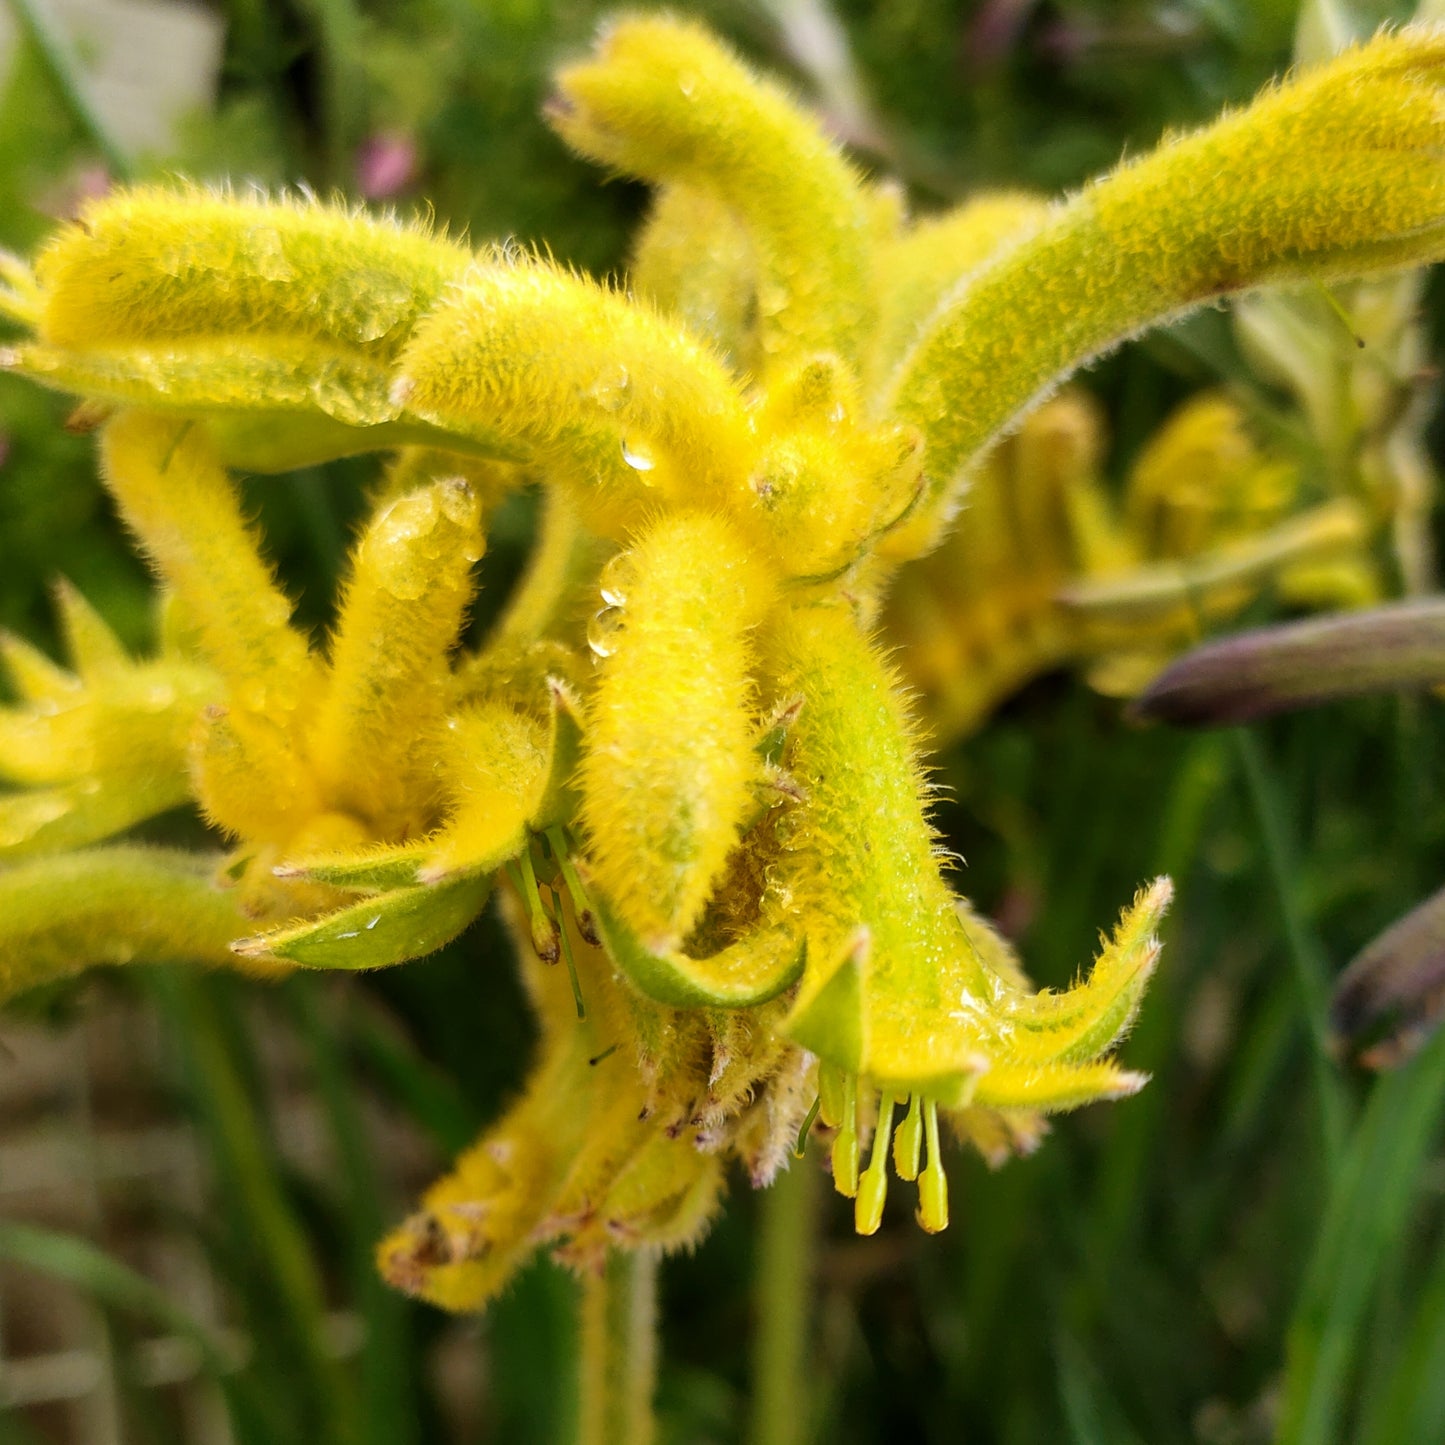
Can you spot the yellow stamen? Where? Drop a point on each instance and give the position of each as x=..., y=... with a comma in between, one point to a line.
x=873, y=1191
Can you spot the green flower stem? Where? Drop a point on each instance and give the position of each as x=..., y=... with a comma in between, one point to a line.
x=781, y=1408
x=286, y=1271
x=619, y=1352
x=1302, y=945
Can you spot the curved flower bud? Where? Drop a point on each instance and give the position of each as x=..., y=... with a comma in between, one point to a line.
x=900, y=995
x=664, y=100
x=668, y=769
x=1333, y=174
x=370, y=733
x=176, y=497
x=191, y=301
x=529, y=361
x=1266, y=670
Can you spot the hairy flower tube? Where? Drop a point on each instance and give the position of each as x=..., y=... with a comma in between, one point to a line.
x=680, y=759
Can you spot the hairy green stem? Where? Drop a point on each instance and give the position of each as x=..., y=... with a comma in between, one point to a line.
x=781, y=1408
x=619, y=1352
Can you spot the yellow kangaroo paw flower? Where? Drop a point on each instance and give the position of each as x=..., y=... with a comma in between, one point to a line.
x=186, y=299
x=137, y=728
x=826, y=485
x=478, y=1224
x=111, y=760
x=106, y=749
x=414, y=467
x=664, y=100
x=525, y=357
x=1331, y=174
x=669, y=760
x=171, y=490
x=1201, y=479
x=579, y=1162
x=401, y=610
x=249, y=777
x=663, y=1199
x=156, y=262
x=60, y=916
x=888, y=959
x=184, y=509
x=197, y=377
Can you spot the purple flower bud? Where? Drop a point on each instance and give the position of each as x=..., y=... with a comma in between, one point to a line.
x=1395, y=648
x=1389, y=1000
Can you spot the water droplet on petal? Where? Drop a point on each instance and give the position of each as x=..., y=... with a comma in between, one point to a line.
x=602, y=631
x=610, y=389
x=616, y=580
x=636, y=455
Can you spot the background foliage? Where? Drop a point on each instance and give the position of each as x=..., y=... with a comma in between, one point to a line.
x=1249, y=1250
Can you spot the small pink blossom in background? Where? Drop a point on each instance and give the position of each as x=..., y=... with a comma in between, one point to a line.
x=385, y=166
x=66, y=197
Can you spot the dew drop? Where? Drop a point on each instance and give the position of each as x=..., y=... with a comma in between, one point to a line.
x=616, y=580
x=602, y=631
x=636, y=455
x=610, y=389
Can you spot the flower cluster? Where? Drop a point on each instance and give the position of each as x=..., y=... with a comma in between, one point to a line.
x=680, y=759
